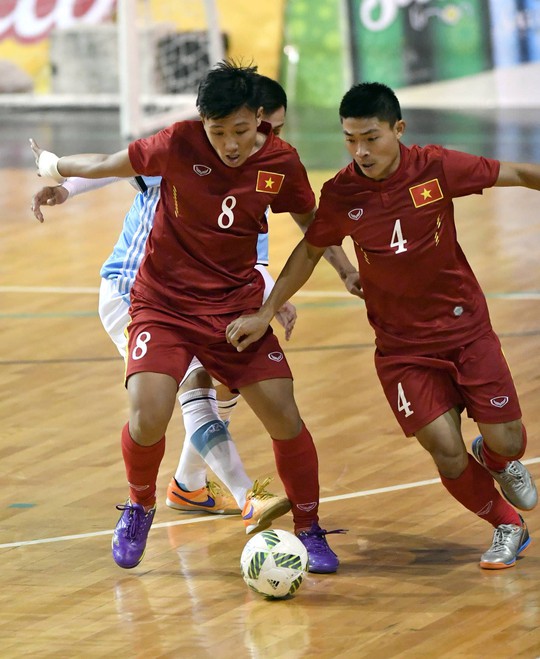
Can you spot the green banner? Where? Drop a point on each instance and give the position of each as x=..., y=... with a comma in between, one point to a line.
x=407, y=42
x=314, y=61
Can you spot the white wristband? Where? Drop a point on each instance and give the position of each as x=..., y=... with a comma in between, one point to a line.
x=48, y=166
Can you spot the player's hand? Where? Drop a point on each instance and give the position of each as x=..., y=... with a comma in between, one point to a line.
x=245, y=330
x=286, y=317
x=37, y=152
x=50, y=196
x=353, y=284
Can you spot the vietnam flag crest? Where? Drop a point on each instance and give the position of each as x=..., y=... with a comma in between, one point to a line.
x=269, y=182
x=426, y=193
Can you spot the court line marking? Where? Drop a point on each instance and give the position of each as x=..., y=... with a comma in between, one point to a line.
x=92, y=290
x=209, y=518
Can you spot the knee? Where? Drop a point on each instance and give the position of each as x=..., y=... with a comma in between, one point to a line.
x=198, y=379
x=285, y=425
x=451, y=462
x=506, y=439
x=514, y=437
x=147, y=426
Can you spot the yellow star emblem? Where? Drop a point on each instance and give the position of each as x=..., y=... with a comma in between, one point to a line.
x=269, y=183
x=426, y=193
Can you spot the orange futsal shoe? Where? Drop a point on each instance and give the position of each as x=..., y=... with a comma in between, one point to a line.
x=262, y=507
x=208, y=499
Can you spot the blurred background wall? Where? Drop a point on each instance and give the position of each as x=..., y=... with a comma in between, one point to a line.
x=317, y=48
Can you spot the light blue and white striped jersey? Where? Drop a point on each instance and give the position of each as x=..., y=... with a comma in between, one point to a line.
x=126, y=257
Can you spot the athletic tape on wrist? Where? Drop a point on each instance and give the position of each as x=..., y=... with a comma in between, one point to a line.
x=48, y=166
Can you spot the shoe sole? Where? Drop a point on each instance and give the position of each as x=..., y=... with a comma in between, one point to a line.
x=268, y=516
x=493, y=474
x=322, y=570
x=504, y=566
x=193, y=508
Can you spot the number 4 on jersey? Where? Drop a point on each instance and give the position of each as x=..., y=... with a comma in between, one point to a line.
x=403, y=404
x=397, y=238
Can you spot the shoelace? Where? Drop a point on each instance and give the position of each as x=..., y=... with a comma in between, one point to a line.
x=318, y=537
x=134, y=523
x=214, y=489
x=502, y=534
x=259, y=490
x=513, y=472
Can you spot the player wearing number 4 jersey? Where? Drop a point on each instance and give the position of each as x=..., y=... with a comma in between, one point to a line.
x=436, y=353
x=219, y=175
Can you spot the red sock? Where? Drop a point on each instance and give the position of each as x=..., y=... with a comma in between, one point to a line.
x=496, y=461
x=475, y=490
x=298, y=468
x=142, y=466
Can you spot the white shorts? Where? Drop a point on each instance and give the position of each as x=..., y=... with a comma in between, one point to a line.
x=114, y=315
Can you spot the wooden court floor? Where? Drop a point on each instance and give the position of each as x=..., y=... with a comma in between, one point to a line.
x=409, y=583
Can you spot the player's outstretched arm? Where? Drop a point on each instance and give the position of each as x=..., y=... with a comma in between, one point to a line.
x=245, y=330
x=336, y=256
x=85, y=165
x=58, y=194
x=519, y=173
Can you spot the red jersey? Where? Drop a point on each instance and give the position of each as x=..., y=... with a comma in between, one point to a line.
x=420, y=292
x=201, y=252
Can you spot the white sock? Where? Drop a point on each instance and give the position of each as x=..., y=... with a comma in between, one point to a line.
x=226, y=408
x=216, y=446
x=209, y=443
x=198, y=408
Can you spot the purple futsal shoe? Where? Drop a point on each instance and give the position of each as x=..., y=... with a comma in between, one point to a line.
x=321, y=558
x=130, y=534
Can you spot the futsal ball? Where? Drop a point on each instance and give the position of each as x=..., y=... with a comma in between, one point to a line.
x=274, y=563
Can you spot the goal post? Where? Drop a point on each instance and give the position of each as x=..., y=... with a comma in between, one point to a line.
x=144, y=58
x=161, y=62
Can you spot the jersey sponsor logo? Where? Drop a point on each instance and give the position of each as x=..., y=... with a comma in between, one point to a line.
x=275, y=356
x=426, y=193
x=356, y=214
x=306, y=507
x=201, y=170
x=499, y=401
x=269, y=182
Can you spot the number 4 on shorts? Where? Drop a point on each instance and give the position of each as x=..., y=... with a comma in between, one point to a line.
x=403, y=404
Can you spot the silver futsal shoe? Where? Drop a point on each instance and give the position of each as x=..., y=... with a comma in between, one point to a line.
x=515, y=481
x=509, y=540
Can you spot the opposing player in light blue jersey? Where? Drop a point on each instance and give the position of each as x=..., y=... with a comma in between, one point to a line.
x=205, y=415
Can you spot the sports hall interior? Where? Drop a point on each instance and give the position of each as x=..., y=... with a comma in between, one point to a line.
x=409, y=585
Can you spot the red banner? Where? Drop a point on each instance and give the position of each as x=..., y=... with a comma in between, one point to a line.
x=32, y=20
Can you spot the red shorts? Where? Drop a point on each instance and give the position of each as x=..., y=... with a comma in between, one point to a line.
x=474, y=377
x=162, y=342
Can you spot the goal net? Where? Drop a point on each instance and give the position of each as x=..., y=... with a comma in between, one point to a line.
x=144, y=57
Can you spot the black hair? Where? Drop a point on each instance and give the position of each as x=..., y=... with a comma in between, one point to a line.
x=227, y=87
x=271, y=94
x=370, y=99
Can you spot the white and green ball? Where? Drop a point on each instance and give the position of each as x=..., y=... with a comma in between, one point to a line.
x=273, y=563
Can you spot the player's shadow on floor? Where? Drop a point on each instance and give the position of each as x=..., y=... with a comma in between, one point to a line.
x=387, y=553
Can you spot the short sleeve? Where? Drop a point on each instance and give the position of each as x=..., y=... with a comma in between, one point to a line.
x=150, y=155
x=467, y=174
x=296, y=195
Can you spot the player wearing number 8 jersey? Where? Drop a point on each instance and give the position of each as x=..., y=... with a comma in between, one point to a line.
x=202, y=265
x=436, y=351
x=196, y=277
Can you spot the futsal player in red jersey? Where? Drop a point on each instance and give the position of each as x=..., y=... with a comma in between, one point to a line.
x=197, y=275
x=436, y=352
